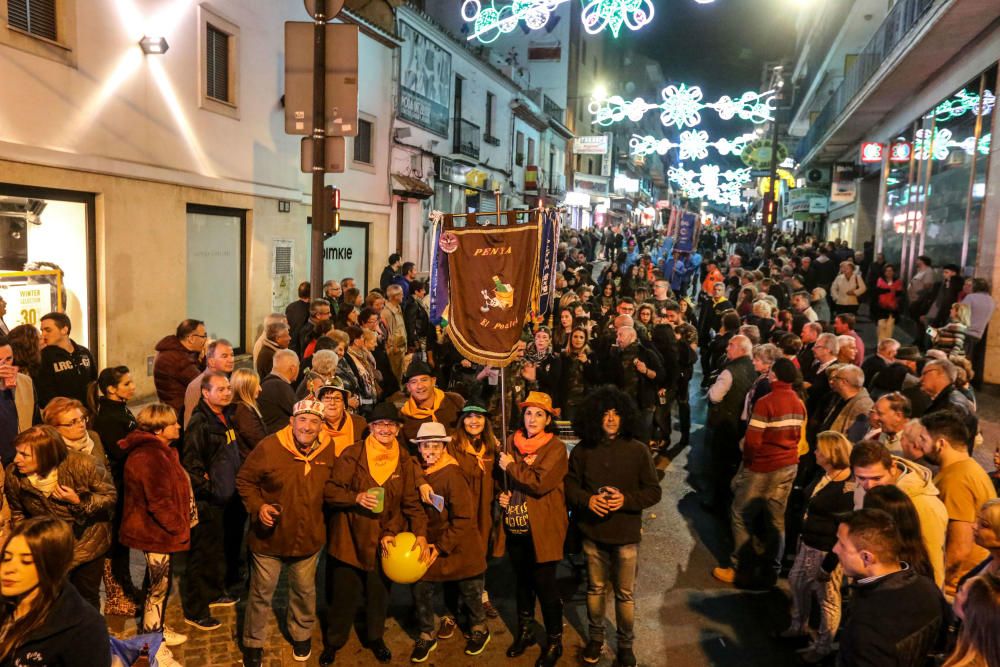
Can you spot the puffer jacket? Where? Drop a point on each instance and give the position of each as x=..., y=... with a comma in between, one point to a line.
x=90, y=520
x=173, y=369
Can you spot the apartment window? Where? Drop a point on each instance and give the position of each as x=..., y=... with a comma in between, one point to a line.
x=219, y=64
x=363, y=142
x=37, y=17
x=531, y=151
x=519, y=149
x=491, y=112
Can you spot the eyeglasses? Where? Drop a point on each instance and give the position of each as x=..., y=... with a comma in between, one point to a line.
x=75, y=422
x=198, y=335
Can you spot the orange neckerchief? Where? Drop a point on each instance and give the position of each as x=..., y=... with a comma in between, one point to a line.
x=528, y=446
x=342, y=437
x=443, y=462
x=288, y=442
x=381, y=460
x=411, y=409
x=480, y=455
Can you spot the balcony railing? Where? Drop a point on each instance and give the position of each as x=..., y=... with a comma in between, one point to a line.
x=467, y=138
x=553, y=110
x=902, y=18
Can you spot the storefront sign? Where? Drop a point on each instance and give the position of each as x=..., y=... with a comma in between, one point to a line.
x=844, y=188
x=578, y=199
x=819, y=204
x=871, y=152
x=452, y=172
x=757, y=154
x=804, y=200
x=26, y=304
x=626, y=185
x=593, y=145
x=345, y=254
x=425, y=86
x=900, y=151
x=595, y=186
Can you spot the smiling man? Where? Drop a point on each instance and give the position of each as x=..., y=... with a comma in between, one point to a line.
x=426, y=403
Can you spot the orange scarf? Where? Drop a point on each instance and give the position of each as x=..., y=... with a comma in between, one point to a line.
x=443, y=462
x=528, y=446
x=480, y=455
x=411, y=409
x=382, y=460
x=342, y=438
x=288, y=442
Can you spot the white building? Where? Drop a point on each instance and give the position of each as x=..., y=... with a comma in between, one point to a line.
x=166, y=185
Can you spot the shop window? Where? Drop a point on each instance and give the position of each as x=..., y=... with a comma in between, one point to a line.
x=46, y=257
x=218, y=68
x=216, y=261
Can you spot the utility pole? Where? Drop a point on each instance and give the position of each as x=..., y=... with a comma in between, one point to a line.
x=318, y=147
x=771, y=198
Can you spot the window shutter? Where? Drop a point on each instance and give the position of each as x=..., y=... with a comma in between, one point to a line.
x=37, y=17
x=217, y=64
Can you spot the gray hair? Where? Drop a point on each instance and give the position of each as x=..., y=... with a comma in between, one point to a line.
x=845, y=340
x=215, y=345
x=751, y=331
x=272, y=330
x=852, y=375
x=393, y=290
x=743, y=344
x=814, y=326
x=283, y=358
x=324, y=362
x=888, y=346
x=830, y=342
x=767, y=353
x=948, y=368
x=275, y=317
x=761, y=308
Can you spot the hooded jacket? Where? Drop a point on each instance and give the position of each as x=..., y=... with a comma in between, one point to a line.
x=74, y=635
x=173, y=369
x=917, y=482
x=212, y=454
x=156, y=512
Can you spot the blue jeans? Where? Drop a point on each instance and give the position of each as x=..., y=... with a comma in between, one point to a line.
x=615, y=565
x=758, y=513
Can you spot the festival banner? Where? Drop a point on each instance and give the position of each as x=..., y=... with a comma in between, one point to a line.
x=493, y=284
x=547, y=261
x=438, y=289
x=686, y=231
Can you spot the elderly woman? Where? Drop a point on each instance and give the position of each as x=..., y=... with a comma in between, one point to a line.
x=360, y=374
x=158, y=508
x=763, y=357
x=49, y=479
x=324, y=369
x=950, y=338
x=542, y=365
x=69, y=418
x=534, y=524
x=819, y=303
x=847, y=287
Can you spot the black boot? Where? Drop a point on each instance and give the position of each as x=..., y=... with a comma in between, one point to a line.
x=525, y=638
x=550, y=656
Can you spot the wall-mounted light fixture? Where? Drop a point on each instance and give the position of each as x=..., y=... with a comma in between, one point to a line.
x=153, y=45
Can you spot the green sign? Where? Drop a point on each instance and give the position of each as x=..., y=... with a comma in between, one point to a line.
x=757, y=154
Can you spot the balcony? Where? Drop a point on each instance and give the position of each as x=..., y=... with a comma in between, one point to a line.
x=901, y=20
x=467, y=138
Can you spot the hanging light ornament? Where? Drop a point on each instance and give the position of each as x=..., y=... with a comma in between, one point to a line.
x=710, y=182
x=693, y=144
x=489, y=22
x=682, y=106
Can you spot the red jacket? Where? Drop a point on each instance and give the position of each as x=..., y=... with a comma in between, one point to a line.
x=173, y=369
x=772, y=438
x=156, y=513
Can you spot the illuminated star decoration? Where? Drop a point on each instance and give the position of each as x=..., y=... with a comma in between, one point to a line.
x=939, y=144
x=693, y=145
x=613, y=14
x=682, y=105
x=710, y=182
x=489, y=22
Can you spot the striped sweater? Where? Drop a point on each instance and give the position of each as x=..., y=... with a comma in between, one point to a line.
x=775, y=427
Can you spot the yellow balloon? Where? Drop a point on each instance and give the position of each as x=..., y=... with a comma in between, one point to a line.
x=402, y=562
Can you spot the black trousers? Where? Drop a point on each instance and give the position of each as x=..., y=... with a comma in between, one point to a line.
x=235, y=518
x=87, y=579
x=204, y=576
x=534, y=580
x=683, y=399
x=353, y=586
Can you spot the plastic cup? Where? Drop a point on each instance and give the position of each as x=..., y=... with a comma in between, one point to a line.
x=379, y=493
x=276, y=517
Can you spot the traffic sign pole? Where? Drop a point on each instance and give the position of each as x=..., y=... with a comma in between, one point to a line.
x=318, y=147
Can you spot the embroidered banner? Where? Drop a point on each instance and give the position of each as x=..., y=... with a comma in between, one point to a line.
x=547, y=261
x=493, y=284
x=438, y=289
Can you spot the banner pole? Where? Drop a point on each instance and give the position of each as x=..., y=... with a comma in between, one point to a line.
x=503, y=422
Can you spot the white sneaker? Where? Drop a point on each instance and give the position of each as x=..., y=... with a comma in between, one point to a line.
x=171, y=638
x=164, y=658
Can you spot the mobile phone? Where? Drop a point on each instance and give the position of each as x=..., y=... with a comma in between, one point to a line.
x=438, y=502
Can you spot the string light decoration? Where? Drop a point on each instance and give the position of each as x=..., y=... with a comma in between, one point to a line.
x=489, y=23
x=693, y=144
x=681, y=107
x=962, y=103
x=940, y=144
x=710, y=182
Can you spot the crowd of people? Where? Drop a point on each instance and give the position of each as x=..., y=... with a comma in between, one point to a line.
x=357, y=422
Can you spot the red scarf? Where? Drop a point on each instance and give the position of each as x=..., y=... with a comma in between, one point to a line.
x=528, y=446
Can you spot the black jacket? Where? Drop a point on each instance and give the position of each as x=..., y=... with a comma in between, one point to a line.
x=65, y=373
x=624, y=464
x=276, y=401
x=113, y=422
x=297, y=314
x=211, y=454
x=75, y=635
x=618, y=370
x=952, y=399
x=388, y=273
x=895, y=621
x=727, y=411
x=665, y=343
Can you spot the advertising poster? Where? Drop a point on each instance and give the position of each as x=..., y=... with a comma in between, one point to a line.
x=425, y=84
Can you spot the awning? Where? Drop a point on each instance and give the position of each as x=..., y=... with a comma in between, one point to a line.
x=408, y=186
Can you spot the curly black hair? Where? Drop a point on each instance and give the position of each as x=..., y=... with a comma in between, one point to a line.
x=589, y=414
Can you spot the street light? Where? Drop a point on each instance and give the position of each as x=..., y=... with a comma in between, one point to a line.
x=153, y=45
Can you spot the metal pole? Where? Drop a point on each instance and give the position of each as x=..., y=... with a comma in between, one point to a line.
x=503, y=422
x=771, y=219
x=318, y=146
